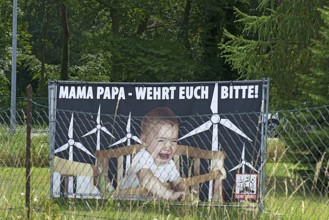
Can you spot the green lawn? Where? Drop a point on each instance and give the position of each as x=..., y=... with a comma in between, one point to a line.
x=287, y=198
x=12, y=188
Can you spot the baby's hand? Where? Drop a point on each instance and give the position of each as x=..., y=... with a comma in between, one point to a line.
x=178, y=196
x=218, y=165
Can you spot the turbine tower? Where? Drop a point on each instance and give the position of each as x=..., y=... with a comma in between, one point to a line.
x=128, y=138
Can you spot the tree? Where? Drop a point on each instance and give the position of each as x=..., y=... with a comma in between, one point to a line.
x=317, y=93
x=212, y=14
x=284, y=43
x=23, y=49
x=128, y=40
x=5, y=49
x=320, y=65
x=275, y=43
x=138, y=43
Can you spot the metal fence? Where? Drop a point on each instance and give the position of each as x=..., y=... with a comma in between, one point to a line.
x=295, y=187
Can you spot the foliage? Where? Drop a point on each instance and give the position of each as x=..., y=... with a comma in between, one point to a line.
x=283, y=42
x=156, y=60
x=125, y=40
x=5, y=48
x=154, y=41
x=306, y=133
x=276, y=44
x=319, y=77
x=178, y=41
x=314, y=127
x=320, y=128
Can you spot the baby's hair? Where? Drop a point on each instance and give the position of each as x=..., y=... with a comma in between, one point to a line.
x=158, y=115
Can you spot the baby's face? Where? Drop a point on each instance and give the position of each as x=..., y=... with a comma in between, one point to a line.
x=161, y=142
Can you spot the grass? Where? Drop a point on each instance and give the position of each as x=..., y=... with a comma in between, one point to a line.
x=12, y=147
x=295, y=207
x=287, y=197
x=12, y=186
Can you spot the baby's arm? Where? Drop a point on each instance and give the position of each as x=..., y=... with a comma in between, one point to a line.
x=152, y=184
x=179, y=185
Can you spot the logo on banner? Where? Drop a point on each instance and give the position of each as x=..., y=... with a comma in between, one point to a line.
x=246, y=187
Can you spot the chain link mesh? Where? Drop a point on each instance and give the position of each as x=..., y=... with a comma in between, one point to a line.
x=297, y=166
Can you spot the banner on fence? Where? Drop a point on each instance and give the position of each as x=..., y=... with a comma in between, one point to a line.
x=172, y=141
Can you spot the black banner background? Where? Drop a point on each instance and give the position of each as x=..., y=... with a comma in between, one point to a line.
x=244, y=113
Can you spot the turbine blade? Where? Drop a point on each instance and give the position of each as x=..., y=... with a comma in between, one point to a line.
x=227, y=123
x=214, y=101
x=107, y=131
x=136, y=139
x=199, y=129
x=81, y=147
x=128, y=123
x=70, y=131
x=251, y=167
x=236, y=167
x=98, y=119
x=243, y=152
x=119, y=141
x=90, y=132
x=62, y=148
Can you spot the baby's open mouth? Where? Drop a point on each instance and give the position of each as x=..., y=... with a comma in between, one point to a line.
x=164, y=156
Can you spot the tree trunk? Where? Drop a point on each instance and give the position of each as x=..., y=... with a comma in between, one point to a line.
x=115, y=17
x=65, y=49
x=185, y=24
x=116, y=69
x=210, y=38
x=42, y=88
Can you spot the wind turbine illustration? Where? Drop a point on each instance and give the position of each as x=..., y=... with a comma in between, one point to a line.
x=98, y=129
x=70, y=144
x=128, y=138
x=243, y=163
x=213, y=122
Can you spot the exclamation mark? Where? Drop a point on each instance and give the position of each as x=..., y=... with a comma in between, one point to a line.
x=256, y=91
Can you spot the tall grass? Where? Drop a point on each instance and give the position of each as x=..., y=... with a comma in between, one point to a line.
x=289, y=196
x=12, y=147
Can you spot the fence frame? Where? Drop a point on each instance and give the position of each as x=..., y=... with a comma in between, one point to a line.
x=52, y=91
x=265, y=110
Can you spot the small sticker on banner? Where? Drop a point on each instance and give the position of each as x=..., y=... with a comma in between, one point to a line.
x=246, y=187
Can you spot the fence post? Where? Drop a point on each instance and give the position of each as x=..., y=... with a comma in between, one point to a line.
x=28, y=148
